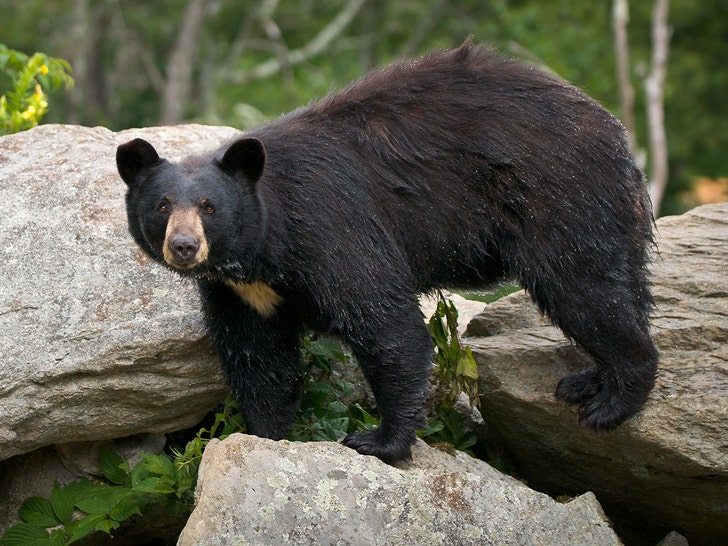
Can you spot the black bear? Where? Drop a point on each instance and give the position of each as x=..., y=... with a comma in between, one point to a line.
x=455, y=170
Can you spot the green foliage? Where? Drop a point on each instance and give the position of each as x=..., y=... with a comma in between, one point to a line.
x=227, y=421
x=456, y=372
x=25, y=102
x=87, y=506
x=489, y=297
x=456, y=369
x=327, y=412
x=127, y=65
x=447, y=430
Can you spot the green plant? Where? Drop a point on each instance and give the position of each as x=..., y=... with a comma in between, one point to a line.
x=327, y=412
x=455, y=372
x=227, y=420
x=88, y=506
x=30, y=77
x=448, y=430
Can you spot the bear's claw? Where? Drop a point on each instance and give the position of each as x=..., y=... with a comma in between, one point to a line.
x=604, y=401
x=373, y=442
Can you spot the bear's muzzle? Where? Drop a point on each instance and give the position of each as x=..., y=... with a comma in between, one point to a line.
x=185, y=244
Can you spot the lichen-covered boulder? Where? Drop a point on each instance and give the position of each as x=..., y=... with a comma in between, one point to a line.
x=256, y=491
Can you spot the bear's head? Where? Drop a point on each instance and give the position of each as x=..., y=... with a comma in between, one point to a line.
x=197, y=216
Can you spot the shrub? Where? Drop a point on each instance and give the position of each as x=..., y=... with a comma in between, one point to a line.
x=30, y=78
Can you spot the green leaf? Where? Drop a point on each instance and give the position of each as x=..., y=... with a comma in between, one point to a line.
x=104, y=500
x=338, y=407
x=62, y=503
x=233, y=424
x=38, y=511
x=88, y=524
x=107, y=525
x=82, y=489
x=361, y=419
x=467, y=366
x=138, y=474
x=129, y=506
x=57, y=538
x=155, y=485
x=336, y=428
x=327, y=348
x=22, y=534
x=454, y=353
x=160, y=465
x=433, y=427
x=467, y=441
x=437, y=330
x=115, y=469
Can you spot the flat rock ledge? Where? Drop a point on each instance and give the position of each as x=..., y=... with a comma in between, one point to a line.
x=256, y=491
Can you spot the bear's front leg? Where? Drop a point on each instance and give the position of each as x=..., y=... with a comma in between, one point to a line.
x=395, y=354
x=260, y=356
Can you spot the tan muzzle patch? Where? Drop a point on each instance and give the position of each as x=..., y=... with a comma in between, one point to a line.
x=185, y=244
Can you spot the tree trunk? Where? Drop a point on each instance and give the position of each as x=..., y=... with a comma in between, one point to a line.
x=620, y=19
x=79, y=30
x=181, y=62
x=655, y=106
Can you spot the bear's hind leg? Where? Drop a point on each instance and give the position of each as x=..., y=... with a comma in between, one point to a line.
x=609, y=319
x=614, y=389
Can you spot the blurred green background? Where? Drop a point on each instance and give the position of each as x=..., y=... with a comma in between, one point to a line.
x=140, y=63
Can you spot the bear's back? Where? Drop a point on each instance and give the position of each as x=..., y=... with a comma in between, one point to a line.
x=441, y=156
x=461, y=114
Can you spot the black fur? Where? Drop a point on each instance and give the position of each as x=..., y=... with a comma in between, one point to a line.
x=455, y=170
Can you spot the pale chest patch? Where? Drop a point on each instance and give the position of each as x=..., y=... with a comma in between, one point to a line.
x=258, y=295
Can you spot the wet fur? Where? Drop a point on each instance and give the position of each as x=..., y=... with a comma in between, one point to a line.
x=455, y=170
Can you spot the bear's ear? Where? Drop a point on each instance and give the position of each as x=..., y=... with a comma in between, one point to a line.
x=246, y=156
x=133, y=157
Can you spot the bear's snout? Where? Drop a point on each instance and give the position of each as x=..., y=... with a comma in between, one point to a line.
x=184, y=248
x=185, y=244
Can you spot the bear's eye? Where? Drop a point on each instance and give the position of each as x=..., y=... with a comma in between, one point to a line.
x=163, y=208
x=208, y=208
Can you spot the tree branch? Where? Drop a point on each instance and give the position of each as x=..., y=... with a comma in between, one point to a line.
x=317, y=45
x=273, y=31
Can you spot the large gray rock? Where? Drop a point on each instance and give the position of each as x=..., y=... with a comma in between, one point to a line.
x=255, y=491
x=667, y=468
x=96, y=341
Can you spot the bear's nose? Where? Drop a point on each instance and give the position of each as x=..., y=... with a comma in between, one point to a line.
x=184, y=248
